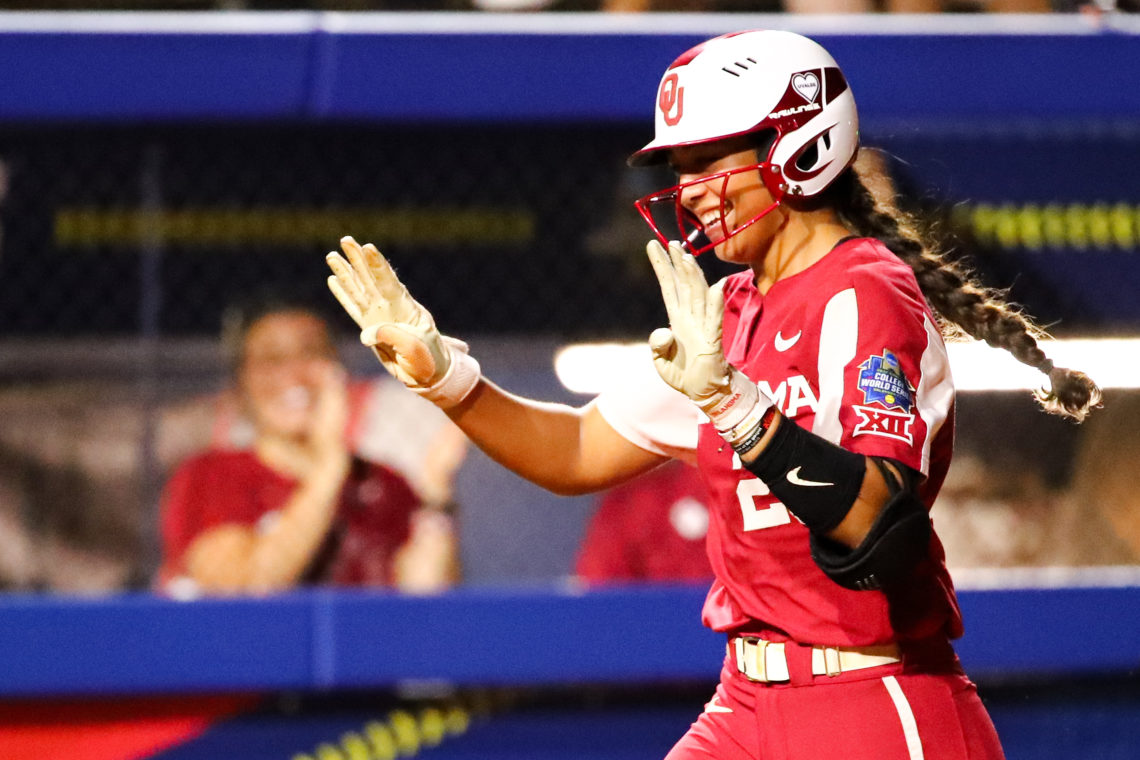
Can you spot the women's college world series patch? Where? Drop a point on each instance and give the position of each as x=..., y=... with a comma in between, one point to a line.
x=887, y=399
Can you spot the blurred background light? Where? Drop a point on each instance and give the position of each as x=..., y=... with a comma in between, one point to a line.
x=1111, y=362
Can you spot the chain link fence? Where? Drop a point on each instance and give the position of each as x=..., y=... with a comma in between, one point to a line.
x=123, y=246
x=128, y=231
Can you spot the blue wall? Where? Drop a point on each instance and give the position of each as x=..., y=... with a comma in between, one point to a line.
x=326, y=640
x=947, y=75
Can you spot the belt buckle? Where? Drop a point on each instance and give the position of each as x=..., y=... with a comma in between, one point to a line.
x=752, y=667
x=832, y=663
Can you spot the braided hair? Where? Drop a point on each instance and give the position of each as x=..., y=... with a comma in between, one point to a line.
x=861, y=198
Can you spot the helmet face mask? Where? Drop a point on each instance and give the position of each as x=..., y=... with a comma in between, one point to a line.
x=740, y=84
x=665, y=214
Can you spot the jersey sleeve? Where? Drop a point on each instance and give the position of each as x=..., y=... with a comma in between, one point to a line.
x=201, y=494
x=377, y=511
x=180, y=519
x=602, y=556
x=399, y=429
x=649, y=413
x=893, y=391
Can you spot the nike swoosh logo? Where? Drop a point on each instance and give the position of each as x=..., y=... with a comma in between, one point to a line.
x=783, y=344
x=714, y=705
x=795, y=479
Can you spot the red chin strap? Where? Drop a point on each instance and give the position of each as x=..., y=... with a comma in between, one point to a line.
x=690, y=230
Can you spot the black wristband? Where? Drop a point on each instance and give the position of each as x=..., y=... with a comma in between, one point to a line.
x=757, y=433
x=815, y=479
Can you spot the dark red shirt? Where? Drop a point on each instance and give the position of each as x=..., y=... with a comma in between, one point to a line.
x=373, y=518
x=650, y=529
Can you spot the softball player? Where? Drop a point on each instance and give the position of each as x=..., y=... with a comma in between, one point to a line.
x=813, y=387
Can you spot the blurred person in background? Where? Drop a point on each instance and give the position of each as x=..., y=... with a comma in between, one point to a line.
x=1101, y=510
x=997, y=512
x=60, y=531
x=1050, y=497
x=652, y=528
x=993, y=514
x=297, y=506
x=62, y=526
x=385, y=424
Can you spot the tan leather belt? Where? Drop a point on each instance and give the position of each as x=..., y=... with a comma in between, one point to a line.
x=765, y=661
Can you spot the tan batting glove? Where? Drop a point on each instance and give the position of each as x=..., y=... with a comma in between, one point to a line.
x=688, y=354
x=397, y=328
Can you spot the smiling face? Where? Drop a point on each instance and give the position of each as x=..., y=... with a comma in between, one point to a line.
x=279, y=371
x=722, y=187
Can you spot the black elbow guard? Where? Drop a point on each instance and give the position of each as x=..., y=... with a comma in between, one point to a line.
x=898, y=540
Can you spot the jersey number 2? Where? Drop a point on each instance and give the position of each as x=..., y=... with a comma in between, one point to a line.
x=758, y=518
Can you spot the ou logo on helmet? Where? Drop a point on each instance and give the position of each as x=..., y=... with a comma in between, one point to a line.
x=672, y=95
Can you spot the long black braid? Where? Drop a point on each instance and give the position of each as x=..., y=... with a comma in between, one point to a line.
x=954, y=296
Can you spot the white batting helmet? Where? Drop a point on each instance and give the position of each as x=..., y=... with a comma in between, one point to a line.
x=753, y=81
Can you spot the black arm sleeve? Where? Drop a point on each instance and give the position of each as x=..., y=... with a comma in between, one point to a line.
x=811, y=476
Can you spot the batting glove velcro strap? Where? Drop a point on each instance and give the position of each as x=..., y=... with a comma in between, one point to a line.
x=463, y=374
x=817, y=480
x=739, y=410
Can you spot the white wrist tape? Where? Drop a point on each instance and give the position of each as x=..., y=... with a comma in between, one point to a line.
x=741, y=409
x=463, y=374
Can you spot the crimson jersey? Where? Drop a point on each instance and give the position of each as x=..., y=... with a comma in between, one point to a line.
x=849, y=350
x=372, y=521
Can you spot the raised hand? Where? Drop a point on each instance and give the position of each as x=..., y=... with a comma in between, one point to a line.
x=395, y=325
x=399, y=330
x=688, y=354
